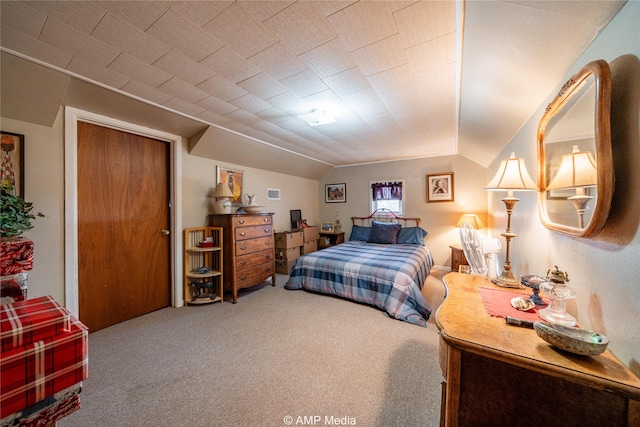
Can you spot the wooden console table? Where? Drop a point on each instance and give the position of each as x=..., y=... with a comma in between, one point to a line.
x=501, y=375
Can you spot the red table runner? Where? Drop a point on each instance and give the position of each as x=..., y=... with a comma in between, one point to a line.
x=498, y=304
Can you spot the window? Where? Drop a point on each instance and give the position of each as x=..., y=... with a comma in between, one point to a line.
x=387, y=195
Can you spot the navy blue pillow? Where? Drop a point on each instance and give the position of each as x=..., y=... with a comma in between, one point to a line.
x=384, y=232
x=359, y=233
x=412, y=235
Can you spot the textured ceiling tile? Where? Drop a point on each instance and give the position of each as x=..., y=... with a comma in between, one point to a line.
x=380, y=56
x=139, y=71
x=278, y=62
x=304, y=84
x=57, y=34
x=21, y=18
x=222, y=88
x=366, y=104
x=273, y=115
x=184, y=107
x=328, y=59
x=97, y=73
x=287, y=102
x=329, y=7
x=403, y=102
x=83, y=16
x=213, y=118
x=146, y=92
x=251, y=103
x=433, y=53
x=230, y=65
x=363, y=23
x=124, y=36
x=244, y=117
x=178, y=32
x=200, y=12
x=347, y=81
x=425, y=20
x=392, y=79
x=183, y=90
x=241, y=31
x=184, y=68
x=384, y=125
x=35, y=48
x=141, y=14
x=216, y=105
x=263, y=86
x=264, y=10
x=301, y=27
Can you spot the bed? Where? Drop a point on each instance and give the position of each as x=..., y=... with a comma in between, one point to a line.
x=384, y=264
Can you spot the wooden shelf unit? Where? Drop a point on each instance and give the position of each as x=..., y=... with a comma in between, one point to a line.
x=330, y=238
x=207, y=287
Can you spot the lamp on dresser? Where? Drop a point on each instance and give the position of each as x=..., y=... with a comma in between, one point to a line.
x=222, y=194
x=512, y=176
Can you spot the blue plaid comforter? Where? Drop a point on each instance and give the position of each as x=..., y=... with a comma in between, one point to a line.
x=389, y=277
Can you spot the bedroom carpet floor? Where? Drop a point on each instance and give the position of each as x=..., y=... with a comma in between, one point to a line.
x=276, y=358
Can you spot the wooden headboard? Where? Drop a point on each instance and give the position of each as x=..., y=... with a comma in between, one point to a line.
x=384, y=215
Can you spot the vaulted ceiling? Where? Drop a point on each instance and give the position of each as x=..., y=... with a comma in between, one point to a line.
x=399, y=79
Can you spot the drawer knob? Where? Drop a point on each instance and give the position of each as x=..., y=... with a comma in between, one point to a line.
x=243, y=278
x=267, y=243
x=243, y=234
x=267, y=230
x=243, y=248
x=265, y=219
x=241, y=221
x=243, y=262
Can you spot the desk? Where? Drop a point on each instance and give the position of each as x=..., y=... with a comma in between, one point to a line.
x=501, y=375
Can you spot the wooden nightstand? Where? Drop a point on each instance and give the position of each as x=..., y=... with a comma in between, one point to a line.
x=457, y=257
x=330, y=238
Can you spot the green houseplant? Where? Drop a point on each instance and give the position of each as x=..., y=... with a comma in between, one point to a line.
x=16, y=214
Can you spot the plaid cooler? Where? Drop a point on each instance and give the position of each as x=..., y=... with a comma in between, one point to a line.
x=25, y=322
x=42, y=368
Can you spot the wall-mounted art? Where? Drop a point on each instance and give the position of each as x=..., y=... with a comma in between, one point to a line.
x=335, y=193
x=12, y=170
x=235, y=180
x=440, y=187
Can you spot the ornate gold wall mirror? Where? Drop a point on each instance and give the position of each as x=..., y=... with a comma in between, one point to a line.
x=575, y=167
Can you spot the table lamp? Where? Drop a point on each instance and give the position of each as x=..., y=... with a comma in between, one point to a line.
x=472, y=219
x=577, y=170
x=512, y=176
x=222, y=194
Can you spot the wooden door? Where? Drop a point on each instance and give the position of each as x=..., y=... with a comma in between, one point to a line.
x=123, y=222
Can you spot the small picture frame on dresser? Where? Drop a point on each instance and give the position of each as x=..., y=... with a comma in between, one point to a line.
x=326, y=227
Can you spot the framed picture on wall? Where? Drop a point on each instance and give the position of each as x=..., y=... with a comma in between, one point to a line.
x=440, y=187
x=335, y=193
x=235, y=180
x=12, y=169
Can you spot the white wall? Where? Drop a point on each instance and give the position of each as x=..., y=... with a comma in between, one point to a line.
x=437, y=218
x=604, y=270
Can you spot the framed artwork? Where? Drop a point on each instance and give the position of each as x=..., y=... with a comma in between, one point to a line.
x=327, y=227
x=335, y=193
x=440, y=187
x=296, y=215
x=13, y=161
x=235, y=180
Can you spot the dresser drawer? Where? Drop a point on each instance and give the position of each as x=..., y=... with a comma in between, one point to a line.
x=254, y=275
x=244, y=233
x=244, y=262
x=253, y=245
x=249, y=220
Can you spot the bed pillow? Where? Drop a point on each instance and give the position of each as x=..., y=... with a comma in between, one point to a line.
x=412, y=236
x=384, y=232
x=359, y=233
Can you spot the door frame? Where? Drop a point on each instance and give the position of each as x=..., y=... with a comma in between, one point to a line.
x=72, y=117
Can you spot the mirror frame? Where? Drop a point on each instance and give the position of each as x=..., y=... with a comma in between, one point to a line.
x=602, y=131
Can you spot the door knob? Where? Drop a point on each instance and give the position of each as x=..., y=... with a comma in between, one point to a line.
x=165, y=232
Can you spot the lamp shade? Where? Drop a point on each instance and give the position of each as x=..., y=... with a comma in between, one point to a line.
x=471, y=219
x=512, y=175
x=222, y=191
x=577, y=170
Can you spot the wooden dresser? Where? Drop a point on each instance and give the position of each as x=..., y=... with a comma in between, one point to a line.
x=501, y=375
x=249, y=250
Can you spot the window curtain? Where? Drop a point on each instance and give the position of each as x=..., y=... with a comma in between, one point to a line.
x=386, y=191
